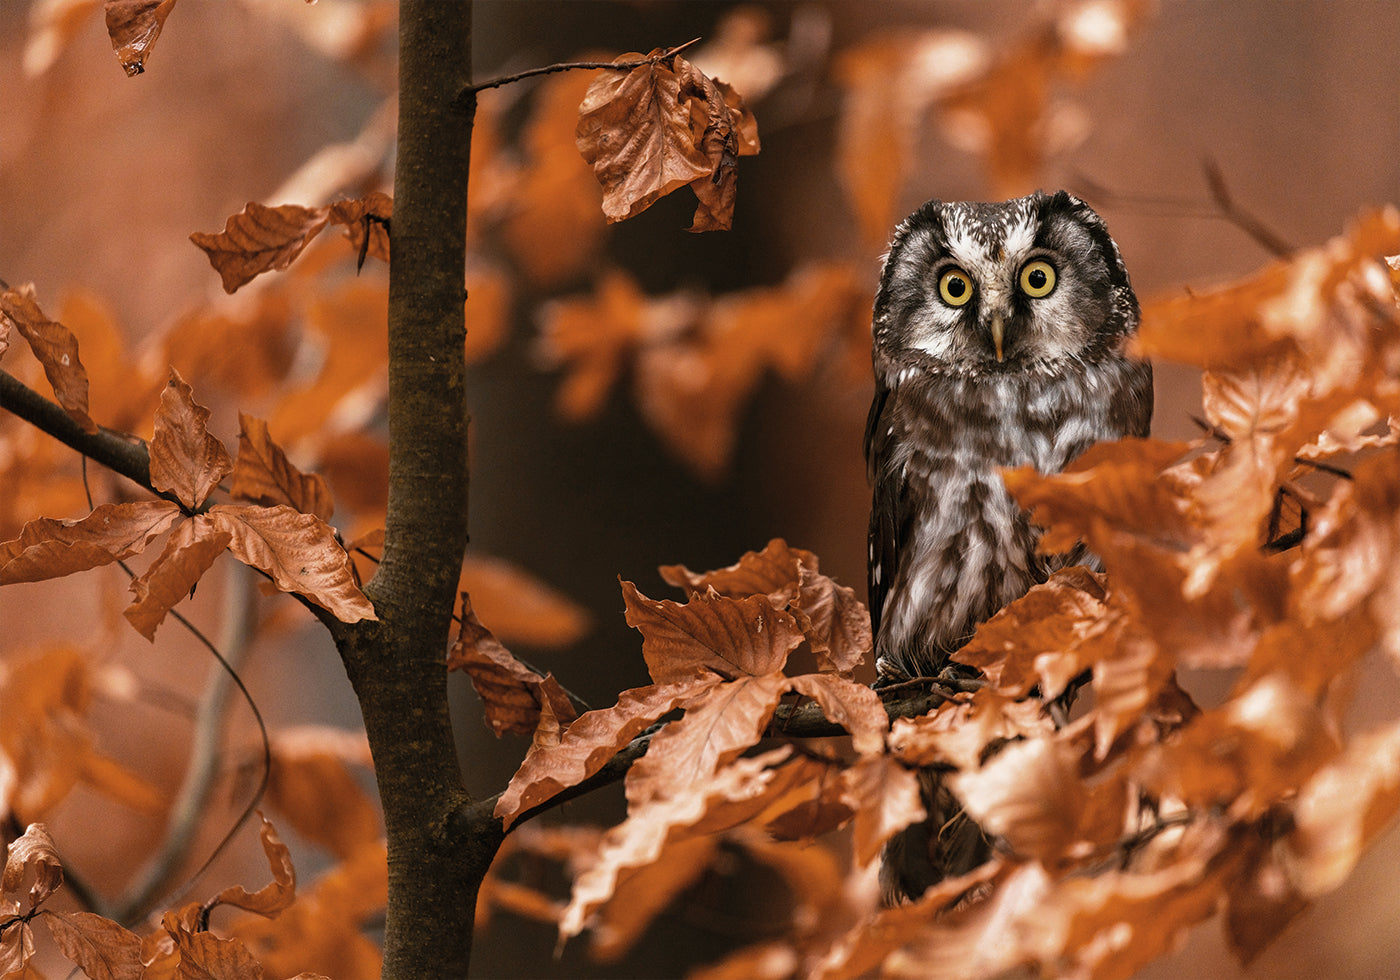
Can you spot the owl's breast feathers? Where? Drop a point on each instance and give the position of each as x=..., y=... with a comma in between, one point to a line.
x=948, y=544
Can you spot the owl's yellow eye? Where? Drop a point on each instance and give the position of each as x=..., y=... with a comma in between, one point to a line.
x=955, y=287
x=1037, y=279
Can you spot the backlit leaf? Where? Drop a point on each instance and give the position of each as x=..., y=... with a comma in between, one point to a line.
x=260, y=239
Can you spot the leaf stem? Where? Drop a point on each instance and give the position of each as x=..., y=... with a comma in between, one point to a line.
x=471, y=90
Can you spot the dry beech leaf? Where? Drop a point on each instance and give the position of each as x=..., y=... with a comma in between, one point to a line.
x=277, y=894
x=775, y=571
x=264, y=475
x=711, y=632
x=260, y=239
x=47, y=548
x=190, y=552
x=885, y=797
x=55, y=348
x=658, y=127
x=100, y=947
x=32, y=851
x=185, y=459
x=837, y=624
x=133, y=26
x=512, y=693
x=204, y=956
x=16, y=949
x=590, y=742
x=717, y=726
x=300, y=553
x=366, y=220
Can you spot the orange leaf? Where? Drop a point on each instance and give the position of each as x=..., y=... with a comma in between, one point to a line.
x=635, y=129
x=315, y=790
x=519, y=607
x=188, y=554
x=299, y=551
x=512, y=693
x=589, y=743
x=277, y=894
x=837, y=623
x=32, y=851
x=204, y=956
x=100, y=947
x=731, y=637
x=264, y=475
x=717, y=726
x=730, y=132
x=112, y=532
x=53, y=345
x=185, y=459
x=855, y=707
x=775, y=571
x=260, y=239
x=885, y=797
x=133, y=26
x=593, y=337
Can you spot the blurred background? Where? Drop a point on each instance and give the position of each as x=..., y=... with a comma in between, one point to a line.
x=1296, y=103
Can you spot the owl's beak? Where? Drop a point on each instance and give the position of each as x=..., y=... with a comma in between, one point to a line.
x=997, y=332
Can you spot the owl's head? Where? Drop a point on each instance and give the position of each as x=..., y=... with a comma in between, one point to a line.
x=1007, y=286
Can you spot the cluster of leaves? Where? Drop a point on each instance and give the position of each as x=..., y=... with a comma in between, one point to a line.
x=1114, y=828
x=182, y=949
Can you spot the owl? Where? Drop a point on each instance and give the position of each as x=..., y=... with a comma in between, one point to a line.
x=998, y=341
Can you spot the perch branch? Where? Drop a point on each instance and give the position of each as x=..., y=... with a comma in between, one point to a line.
x=471, y=90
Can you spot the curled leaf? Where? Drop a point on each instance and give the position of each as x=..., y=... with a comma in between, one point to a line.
x=47, y=548
x=277, y=894
x=32, y=851
x=264, y=475
x=260, y=239
x=186, y=459
x=53, y=345
x=133, y=26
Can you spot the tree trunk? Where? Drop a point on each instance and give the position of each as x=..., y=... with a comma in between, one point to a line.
x=397, y=665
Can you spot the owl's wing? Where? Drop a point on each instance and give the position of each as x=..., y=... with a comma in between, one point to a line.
x=884, y=506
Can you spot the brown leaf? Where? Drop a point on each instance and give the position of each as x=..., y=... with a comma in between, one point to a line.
x=366, y=220
x=47, y=548
x=299, y=551
x=731, y=637
x=519, y=607
x=101, y=948
x=593, y=337
x=775, y=571
x=512, y=693
x=277, y=894
x=260, y=239
x=885, y=797
x=717, y=725
x=1341, y=809
x=133, y=26
x=313, y=787
x=636, y=130
x=264, y=330
x=53, y=345
x=185, y=459
x=188, y=554
x=16, y=949
x=264, y=475
x=32, y=851
x=204, y=956
x=590, y=742
x=837, y=623
x=855, y=707
x=723, y=142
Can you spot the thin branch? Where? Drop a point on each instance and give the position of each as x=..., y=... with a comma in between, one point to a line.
x=119, y=452
x=471, y=90
x=1242, y=219
x=203, y=769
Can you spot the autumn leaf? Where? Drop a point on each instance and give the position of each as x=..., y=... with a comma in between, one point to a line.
x=277, y=894
x=313, y=787
x=188, y=554
x=775, y=571
x=366, y=220
x=260, y=239
x=53, y=345
x=299, y=552
x=588, y=744
x=730, y=637
x=512, y=693
x=204, y=956
x=661, y=126
x=101, y=948
x=186, y=459
x=33, y=851
x=855, y=707
x=834, y=621
x=48, y=548
x=885, y=798
x=518, y=606
x=263, y=474
x=46, y=742
x=133, y=26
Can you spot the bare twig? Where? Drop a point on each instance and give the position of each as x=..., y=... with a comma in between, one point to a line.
x=1242, y=219
x=471, y=90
